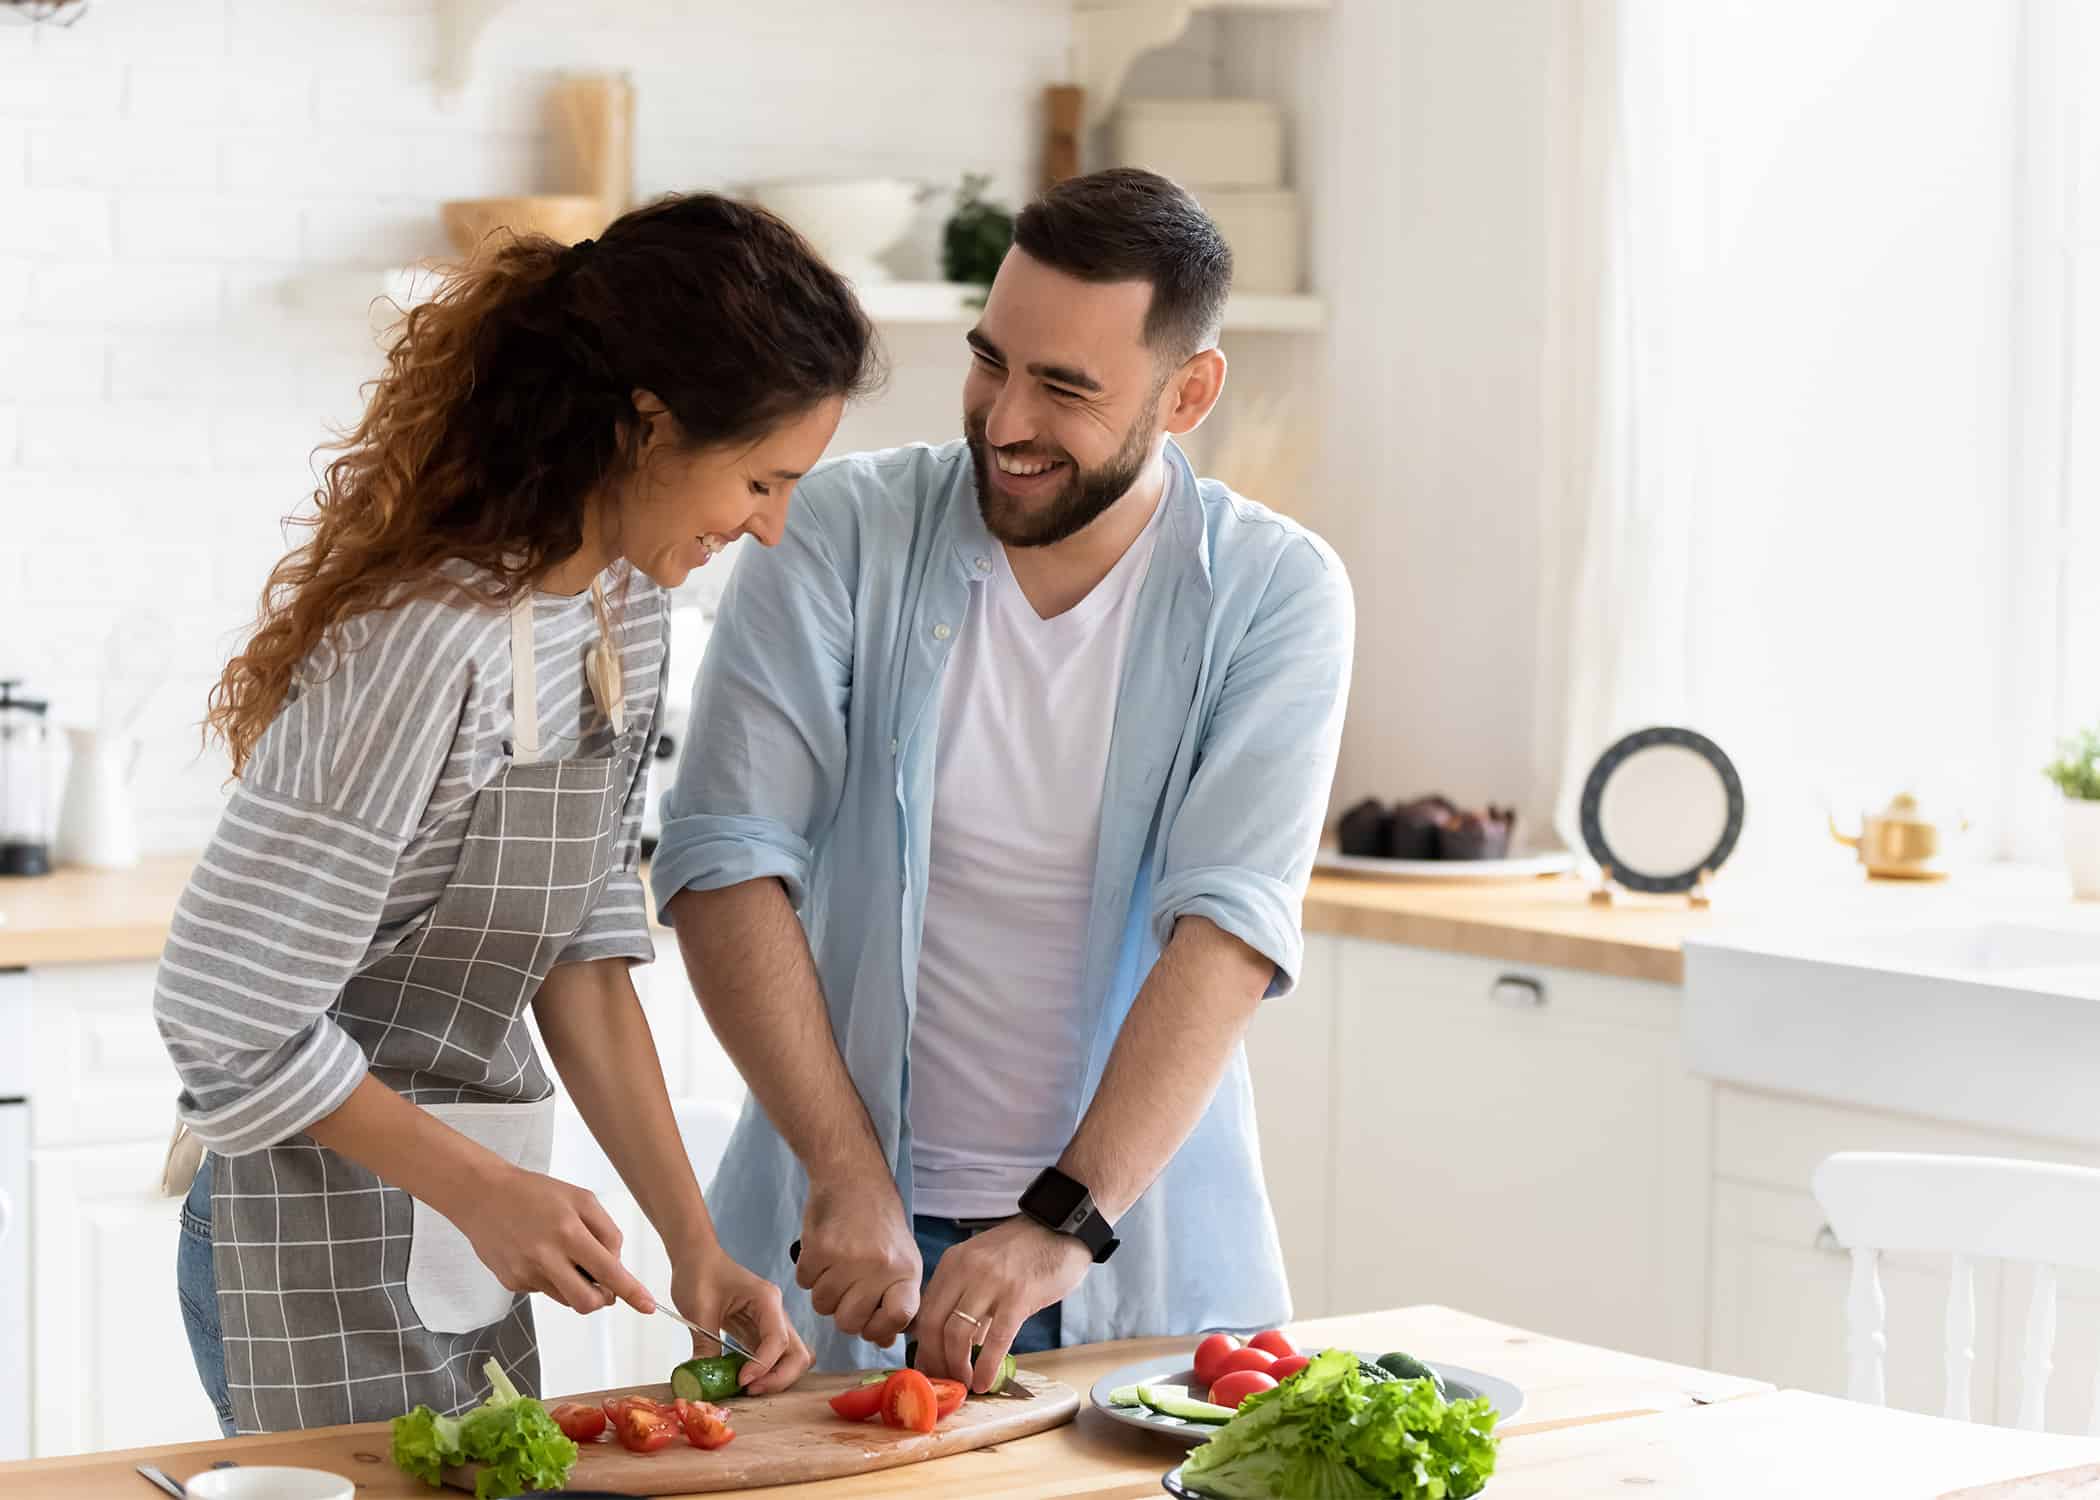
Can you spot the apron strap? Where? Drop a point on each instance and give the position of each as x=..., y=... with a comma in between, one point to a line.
x=524, y=685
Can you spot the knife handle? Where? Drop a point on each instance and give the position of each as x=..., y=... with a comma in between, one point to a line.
x=795, y=1253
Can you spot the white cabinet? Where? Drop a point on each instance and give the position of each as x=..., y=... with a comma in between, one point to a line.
x=1779, y=1282
x=1521, y=1142
x=112, y=1365
x=1290, y=1055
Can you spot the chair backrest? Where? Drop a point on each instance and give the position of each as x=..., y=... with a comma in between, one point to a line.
x=1970, y=1208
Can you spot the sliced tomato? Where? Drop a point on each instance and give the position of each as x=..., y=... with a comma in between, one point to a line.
x=1273, y=1344
x=578, y=1423
x=706, y=1425
x=1236, y=1387
x=908, y=1402
x=641, y=1425
x=1249, y=1358
x=948, y=1395
x=1210, y=1352
x=860, y=1402
x=1285, y=1368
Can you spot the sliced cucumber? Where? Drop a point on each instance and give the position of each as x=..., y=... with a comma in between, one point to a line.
x=1127, y=1395
x=711, y=1378
x=1173, y=1401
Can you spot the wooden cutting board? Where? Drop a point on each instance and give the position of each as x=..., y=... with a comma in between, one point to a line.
x=795, y=1437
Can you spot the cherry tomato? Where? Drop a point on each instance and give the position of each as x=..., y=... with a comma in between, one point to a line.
x=1236, y=1387
x=1272, y=1343
x=1243, y=1359
x=909, y=1402
x=578, y=1423
x=860, y=1402
x=1285, y=1368
x=1210, y=1352
x=706, y=1425
x=642, y=1426
x=949, y=1395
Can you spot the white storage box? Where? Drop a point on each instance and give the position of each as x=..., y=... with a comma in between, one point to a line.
x=1261, y=225
x=1203, y=143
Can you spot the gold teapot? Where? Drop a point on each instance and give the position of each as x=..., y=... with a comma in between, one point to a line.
x=1901, y=843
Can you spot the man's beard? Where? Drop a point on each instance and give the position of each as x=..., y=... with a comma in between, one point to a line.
x=1085, y=495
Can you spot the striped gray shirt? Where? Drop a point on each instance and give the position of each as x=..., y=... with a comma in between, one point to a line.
x=348, y=822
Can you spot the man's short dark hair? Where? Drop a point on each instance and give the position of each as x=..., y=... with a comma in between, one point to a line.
x=1127, y=224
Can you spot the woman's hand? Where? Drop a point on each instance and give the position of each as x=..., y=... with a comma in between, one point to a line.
x=539, y=1234
x=715, y=1292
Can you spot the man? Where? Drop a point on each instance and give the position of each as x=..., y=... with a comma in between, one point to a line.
x=1035, y=731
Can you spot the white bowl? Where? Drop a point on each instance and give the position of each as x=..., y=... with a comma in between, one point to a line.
x=265, y=1483
x=849, y=221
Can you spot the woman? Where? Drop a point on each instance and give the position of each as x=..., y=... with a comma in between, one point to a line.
x=439, y=731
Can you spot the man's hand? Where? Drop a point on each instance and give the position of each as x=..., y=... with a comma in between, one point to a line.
x=1002, y=1278
x=860, y=1263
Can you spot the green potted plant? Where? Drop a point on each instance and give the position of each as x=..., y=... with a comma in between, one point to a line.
x=976, y=236
x=2076, y=772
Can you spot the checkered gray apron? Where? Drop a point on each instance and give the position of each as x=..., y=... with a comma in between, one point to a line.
x=343, y=1299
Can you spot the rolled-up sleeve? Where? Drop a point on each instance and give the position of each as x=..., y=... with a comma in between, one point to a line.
x=761, y=772
x=1241, y=847
x=284, y=902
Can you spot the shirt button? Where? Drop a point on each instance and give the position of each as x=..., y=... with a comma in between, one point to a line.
x=941, y=632
x=984, y=565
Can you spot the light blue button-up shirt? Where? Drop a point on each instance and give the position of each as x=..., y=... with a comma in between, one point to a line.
x=816, y=722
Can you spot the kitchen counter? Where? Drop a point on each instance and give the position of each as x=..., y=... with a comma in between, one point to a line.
x=91, y=916
x=1565, y=1384
x=1596, y=1423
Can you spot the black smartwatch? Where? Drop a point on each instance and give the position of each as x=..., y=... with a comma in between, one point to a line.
x=1064, y=1206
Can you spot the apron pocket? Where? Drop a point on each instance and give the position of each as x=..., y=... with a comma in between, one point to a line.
x=448, y=1286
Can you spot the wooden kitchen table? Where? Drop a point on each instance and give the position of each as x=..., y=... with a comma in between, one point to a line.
x=1595, y=1423
x=1564, y=1383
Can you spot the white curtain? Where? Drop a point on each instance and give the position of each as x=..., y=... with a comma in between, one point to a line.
x=1775, y=505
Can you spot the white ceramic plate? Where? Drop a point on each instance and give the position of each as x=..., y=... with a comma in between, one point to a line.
x=1522, y=867
x=1459, y=1383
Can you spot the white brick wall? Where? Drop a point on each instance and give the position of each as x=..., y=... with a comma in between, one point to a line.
x=197, y=198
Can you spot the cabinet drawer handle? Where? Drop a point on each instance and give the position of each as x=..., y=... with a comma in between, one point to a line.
x=1517, y=992
x=1827, y=1241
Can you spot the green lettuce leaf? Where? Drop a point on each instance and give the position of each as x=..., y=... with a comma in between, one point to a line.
x=1329, y=1433
x=510, y=1435
x=426, y=1444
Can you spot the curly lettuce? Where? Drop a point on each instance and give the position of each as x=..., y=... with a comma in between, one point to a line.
x=1329, y=1434
x=510, y=1435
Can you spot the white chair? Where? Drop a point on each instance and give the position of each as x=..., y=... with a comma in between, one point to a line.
x=703, y=1127
x=1971, y=1208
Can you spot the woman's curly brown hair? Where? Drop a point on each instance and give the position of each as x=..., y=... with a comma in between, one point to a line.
x=507, y=402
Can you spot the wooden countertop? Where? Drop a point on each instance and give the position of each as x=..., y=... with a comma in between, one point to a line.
x=1564, y=1383
x=1596, y=1424
x=87, y=916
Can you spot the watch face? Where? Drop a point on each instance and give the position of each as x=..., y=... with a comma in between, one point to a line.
x=1053, y=1198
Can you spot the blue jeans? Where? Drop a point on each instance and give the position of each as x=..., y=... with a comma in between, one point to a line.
x=936, y=1237
x=197, y=1289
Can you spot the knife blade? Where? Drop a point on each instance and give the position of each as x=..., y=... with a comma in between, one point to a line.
x=727, y=1342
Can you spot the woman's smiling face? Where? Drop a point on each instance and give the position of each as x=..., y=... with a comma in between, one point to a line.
x=682, y=505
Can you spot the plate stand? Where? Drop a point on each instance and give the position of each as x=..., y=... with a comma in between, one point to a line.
x=1604, y=891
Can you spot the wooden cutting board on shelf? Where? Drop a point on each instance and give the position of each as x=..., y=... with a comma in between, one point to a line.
x=795, y=1437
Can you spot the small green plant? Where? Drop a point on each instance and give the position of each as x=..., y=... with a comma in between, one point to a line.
x=2076, y=769
x=977, y=234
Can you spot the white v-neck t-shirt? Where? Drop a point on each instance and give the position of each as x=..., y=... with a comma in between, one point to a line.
x=998, y=1044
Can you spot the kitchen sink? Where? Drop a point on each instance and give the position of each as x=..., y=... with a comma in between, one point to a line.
x=1994, y=1024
